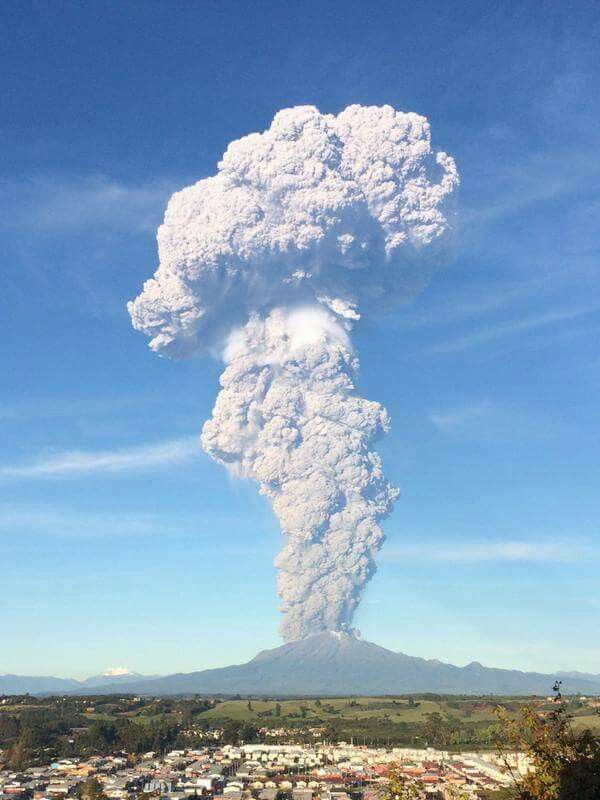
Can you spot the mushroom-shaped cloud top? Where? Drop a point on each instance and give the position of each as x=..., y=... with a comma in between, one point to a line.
x=349, y=211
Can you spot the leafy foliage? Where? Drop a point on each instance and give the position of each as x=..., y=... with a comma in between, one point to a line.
x=399, y=787
x=566, y=763
x=90, y=789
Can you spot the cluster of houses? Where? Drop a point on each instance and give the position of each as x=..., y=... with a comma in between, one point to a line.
x=264, y=772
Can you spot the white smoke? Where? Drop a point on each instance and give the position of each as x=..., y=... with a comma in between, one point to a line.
x=305, y=228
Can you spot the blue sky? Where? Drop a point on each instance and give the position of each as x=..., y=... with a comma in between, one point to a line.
x=120, y=541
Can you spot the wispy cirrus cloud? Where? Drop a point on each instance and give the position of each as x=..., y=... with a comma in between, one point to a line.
x=35, y=519
x=69, y=237
x=81, y=463
x=53, y=407
x=501, y=330
x=456, y=419
x=488, y=419
x=531, y=180
x=65, y=522
x=47, y=204
x=491, y=550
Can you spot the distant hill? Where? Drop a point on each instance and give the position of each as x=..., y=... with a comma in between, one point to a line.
x=342, y=664
x=116, y=677
x=28, y=684
x=584, y=676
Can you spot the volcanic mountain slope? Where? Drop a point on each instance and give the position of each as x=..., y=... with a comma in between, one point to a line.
x=342, y=664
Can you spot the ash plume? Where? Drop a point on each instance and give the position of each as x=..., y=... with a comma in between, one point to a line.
x=305, y=229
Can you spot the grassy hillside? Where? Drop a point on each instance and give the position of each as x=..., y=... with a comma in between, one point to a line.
x=66, y=726
x=441, y=721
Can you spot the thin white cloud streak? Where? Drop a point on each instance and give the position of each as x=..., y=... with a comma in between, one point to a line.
x=456, y=418
x=539, y=188
x=487, y=419
x=457, y=305
x=559, y=173
x=80, y=523
x=481, y=551
x=507, y=329
x=81, y=463
x=73, y=407
x=59, y=522
x=59, y=203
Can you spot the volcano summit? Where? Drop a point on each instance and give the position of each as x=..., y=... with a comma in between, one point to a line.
x=340, y=663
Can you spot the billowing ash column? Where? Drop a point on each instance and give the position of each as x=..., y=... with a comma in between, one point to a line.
x=268, y=265
x=289, y=418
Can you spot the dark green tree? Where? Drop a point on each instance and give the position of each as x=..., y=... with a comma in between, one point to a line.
x=90, y=789
x=435, y=730
x=566, y=763
x=398, y=787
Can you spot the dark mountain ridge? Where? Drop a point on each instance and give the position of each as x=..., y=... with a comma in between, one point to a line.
x=45, y=685
x=586, y=676
x=35, y=684
x=340, y=664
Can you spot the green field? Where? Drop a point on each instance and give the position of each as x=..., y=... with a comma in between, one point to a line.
x=452, y=722
x=397, y=709
x=82, y=726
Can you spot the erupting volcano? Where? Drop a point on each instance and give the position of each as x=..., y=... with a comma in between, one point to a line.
x=269, y=265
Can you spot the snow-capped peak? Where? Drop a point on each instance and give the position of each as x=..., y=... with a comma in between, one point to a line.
x=117, y=672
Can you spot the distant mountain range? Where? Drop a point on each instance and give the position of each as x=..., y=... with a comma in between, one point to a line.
x=585, y=676
x=115, y=678
x=324, y=664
